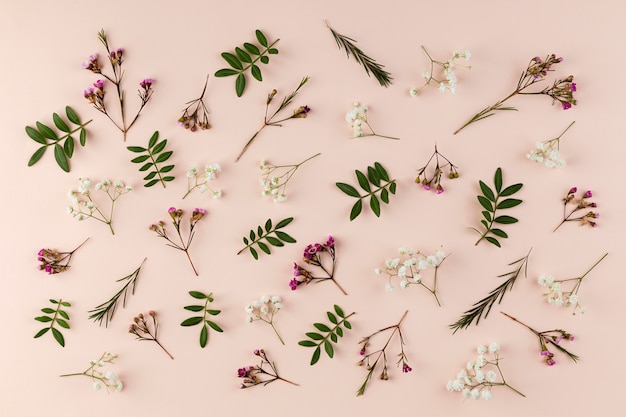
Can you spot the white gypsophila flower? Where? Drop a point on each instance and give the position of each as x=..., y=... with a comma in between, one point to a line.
x=276, y=299
x=555, y=286
x=192, y=172
x=255, y=304
x=92, y=362
x=475, y=393
x=462, y=374
x=106, y=182
x=265, y=309
x=119, y=184
x=129, y=188
x=280, y=198
x=409, y=262
x=118, y=385
x=278, y=306
x=402, y=251
x=417, y=278
x=99, y=186
x=403, y=284
x=111, y=376
x=440, y=254
x=426, y=75
x=214, y=167
x=457, y=385
x=265, y=299
x=582, y=310
x=413, y=92
x=432, y=261
x=494, y=347
x=203, y=189
x=466, y=393
x=486, y=394
x=572, y=299
x=480, y=376
x=422, y=264
x=249, y=319
x=69, y=209
x=217, y=194
x=249, y=309
x=467, y=55
x=210, y=175
x=442, y=87
x=90, y=205
x=96, y=385
x=481, y=361
x=80, y=217
x=449, y=385
x=72, y=196
x=402, y=271
x=491, y=376
x=377, y=271
x=470, y=365
x=265, y=192
x=389, y=287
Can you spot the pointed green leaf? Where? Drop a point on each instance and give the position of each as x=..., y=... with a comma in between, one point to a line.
x=232, y=60
x=261, y=38
x=348, y=189
x=252, y=48
x=382, y=173
x=58, y=336
x=192, y=321
x=68, y=147
x=140, y=159
x=285, y=237
x=373, y=177
x=243, y=55
x=214, y=312
x=136, y=149
x=204, y=336
x=508, y=203
x=339, y=331
x=259, y=231
x=61, y=159
x=46, y=131
x=37, y=155
x=35, y=135
x=246, y=241
x=339, y=311
x=226, y=72
x=199, y=295
x=252, y=235
x=254, y=253
x=264, y=59
x=166, y=168
x=505, y=220
x=268, y=225
x=493, y=241
x=264, y=247
x=485, y=203
x=214, y=326
x=331, y=317
x=375, y=205
x=83, y=137
x=486, y=215
x=146, y=167
x=511, y=189
x=43, y=319
x=48, y=310
x=168, y=179
x=316, y=356
x=499, y=233
x=315, y=336
x=307, y=343
x=159, y=147
x=484, y=223
x=283, y=223
x=60, y=123
x=54, y=301
x=72, y=116
x=356, y=209
x=153, y=139
x=333, y=337
x=321, y=327
x=62, y=323
x=273, y=241
x=64, y=314
x=240, y=84
x=347, y=324
x=195, y=309
x=497, y=180
x=164, y=156
x=41, y=332
x=328, y=347
x=151, y=183
x=256, y=72
x=487, y=192
x=392, y=187
x=363, y=182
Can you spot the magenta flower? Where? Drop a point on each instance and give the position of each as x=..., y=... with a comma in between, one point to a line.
x=293, y=284
x=406, y=368
x=146, y=83
x=242, y=372
x=588, y=194
x=99, y=84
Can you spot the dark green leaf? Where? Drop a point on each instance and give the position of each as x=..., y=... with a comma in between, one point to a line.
x=264, y=247
x=511, y=189
x=60, y=157
x=232, y=60
x=62, y=323
x=331, y=317
x=252, y=48
x=486, y=215
x=240, y=84
x=48, y=310
x=485, y=203
x=256, y=72
x=43, y=319
x=168, y=179
x=508, y=203
x=505, y=220
x=54, y=301
x=59, y=123
x=68, y=147
x=265, y=59
x=315, y=336
x=261, y=38
x=307, y=343
x=195, y=309
x=204, y=336
x=499, y=233
x=333, y=337
x=46, y=131
x=64, y=314
x=37, y=155
x=259, y=231
x=58, y=336
x=283, y=223
x=392, y=187
x=150, y=176
x=321, y=327
x=136, y=149
x=166, y=168
x=373, y=177
x=254, y=253
x=226, y=72
x=375, y=205
x=83, y=137
x=339, y=331
x=151, y=183
x=316, y=356
x=245, y=241
x=252, y=235
x=164, y=156
x=347, y=324
x=273, y=241
x=384, y=195
x=145, y=167
x=339, y=311
x=159, y=147
x=214, y=326
x=41, y=332
x=139, y=159
x=192, y=321
x=71, y=115
x=268, y=225
x=35, y=135
x=153, y=139
x=356, y=209
x=285, y=237
x=272, y=51
x=493, y=241
x=363, y=182
x=484, y=223
x=214, y=312
x=382, y=173
x=65, y=304
x=348, y=189
x=198, y=295
x=242, y=55
x=497, y=180
x=328, y=347
x=487, y=192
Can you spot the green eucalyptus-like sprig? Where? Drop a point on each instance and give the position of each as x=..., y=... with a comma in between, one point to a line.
x=59, y=316
x=63, y=144
x=153, y=152
x=380, y=182
x=316, y=340
x=193, y=321
x=264, y=233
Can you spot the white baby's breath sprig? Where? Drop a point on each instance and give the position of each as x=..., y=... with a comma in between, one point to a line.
x=357, y=119
x=264, y=309
x=197, y=179
x=274, y=178
x=100, y=378
x=548, y=152
x=441, y=74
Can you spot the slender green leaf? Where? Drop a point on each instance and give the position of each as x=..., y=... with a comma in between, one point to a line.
x=272, y=51
x=285, y=237
x=240, y=84
x=339, y=311
x=382, y=173
x=166, y=168
x=226, y=72
x=140, y=159
x=195, y=309
x=333, y=337
x=505, y=220
x=331, y=317
x=151, y=183
x=60, y=157
x=493, y=241
x=384, y=195
x=62, y=323
x=43, y=319
x=68, y=147
x=268, y=225
x=35, y=135
x=252, y=235
x=72, y=116
x=146, y=166
x=37, y=155
x=363, y=182
x=348, y=189
x=246, y=241
x=46, y=131
x=284, y=223
x=339, y=331
x=168, y=179
x=356, y=209
x=307, y=343
x=254, y=253
x=164, y=156
x=232, y=60
x=83, y=137
x=256, y=72
x=264, y=247
x=499, y=233
x=511, y=189
x=273, y=241
x=315, y=336
x=58, y=336
x=252, y=48
x=136, y=149
x=347, y=324
x=214, y=326
x=213, y=312
x=259, y=231
x=159, y=147
x=243, y=55
x=150, y=176
x=198, y=295
x=484, y=223
x=486, y=215
x=392, y=187
x=508, y=203
x=192, y=321
x=43, y=331
x=487, y=192
x=261, y=38
x=153, y=139
x=48, y=310
x=321, y=327
x=204, y=336
x=60, y=123
x=328, y=347
x=64, y=314
x=497, y=180
x=375, y=205
x=485, y=203
x=373, y=177
x=316, y=356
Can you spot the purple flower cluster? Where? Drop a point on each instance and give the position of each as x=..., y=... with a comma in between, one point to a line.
x=313, y=255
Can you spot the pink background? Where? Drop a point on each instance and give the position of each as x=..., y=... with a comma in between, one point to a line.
x=44, y=44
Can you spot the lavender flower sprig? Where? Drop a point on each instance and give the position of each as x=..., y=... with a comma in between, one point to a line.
x=579, y=204
x=313, y=256
x=562, y=90
x=177, y=215
x=547, y=338
x=371, y=360
x=192, y=118
x=95, y=94
x=108, y=379
x=53, y=261
x=252, y=374
x=141, y=328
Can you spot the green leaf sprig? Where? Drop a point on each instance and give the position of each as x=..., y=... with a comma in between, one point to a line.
x=492, y=202
x=379, y=179
x=370, y=65
x=483, y=307
x=59, y=316
x=106, y=311
x=193, y=321
x=246, y=59
x=265, y=234
x=63, y=144
x=333, y=334
x=154, y=148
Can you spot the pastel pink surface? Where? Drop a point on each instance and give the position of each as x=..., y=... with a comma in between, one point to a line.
x=44, y=45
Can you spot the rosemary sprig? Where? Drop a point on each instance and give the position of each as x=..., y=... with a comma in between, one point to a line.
x=483, y=307
x=106, y=310
x=370, y=65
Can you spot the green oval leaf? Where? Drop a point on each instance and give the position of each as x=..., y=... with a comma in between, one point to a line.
x=373, y=177
x=339, y=311
x=83, y=137
x=339, y=331
x=214, y=312
x=68, y=147
x=499, y=233
x=264, y=59
x=384, y=195
x=328, y=347
x=64, y=314
x=382, y=173
x=46, y=131
x=316, y=356
x=164, y=156
x=486, y=215
x=60, y=123
x=363, y=182
x=168, y=179
x=43, y=319
x=259, y=231
x=493, y=241
x=198, y=295
x=284, y=223
x=243, y=55
x=497, y=180
x=505, y=220
x=510, y=190
x=153, y=139
x=47, y=310
x=240, y=84
x=226, y=72
x=261, y=38
x=214, y=326
x=392, y=187
x=315, y=336
x=60, y=157
x=35, y=135
x=146, y=167
x=356, y=209
x=245, y=241
x=347, y=324
x=321, y=327
x=252, y=235
x=192, y=321
x=254, y=253
x=307, y=343
x=72, y=116
x=285, y=237
x=273, y=241
x=256, y=72
x=348, y=189
x=485, y=203
x=151, y=183
x=268, y=225
x=331, y=317
x=41, y=332
x=375, y=205
x=166, y=168
x=159, y=146
x=195, y=309
x=62, y=323
x=37, y=155
x=232, y=60
x=136, y=149
x=487, y=192
x=272, y=51
x=140, y=159
x=58, y=336
x=252, y=48
x=264, y=247
x=204, y=336
x=508, y=203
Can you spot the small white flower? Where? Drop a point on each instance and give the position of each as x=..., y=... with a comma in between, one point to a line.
x=90, y=205
x=480, y=376
x=249, y=309
x=249, y=319
x=118, y=385
x=466, y=393
x=480, y=361
x=491, y=376
x=80, y=217
x=280, y=198
x=461, y=374
x=402, y=251
x=467, y=54
x=192, y=172
x=278, y=306
x=402, y=271
x=404, y=283
x=265, y=299
x=486, y=394
x=422, y=264
x=276, y=299
x=475, y=393
x=389, y=287
x=432, y=261
x=256, y=304
x=409, y=262
x=69, y=209
x=494, y=347
x=572, y=299
x=413, y=92
x=440, y=254
x=217, y=194
x=582, y=310
x=96, y=385
x=119, y=184
x=449, y=385
x=470, y=365
x=426, y=75
x=442, y=87
x=72, y=196
x=111, y=376
x=129, y=188
x=377, y=271
x=417, y=278
x=98, y=186
x=457, y=385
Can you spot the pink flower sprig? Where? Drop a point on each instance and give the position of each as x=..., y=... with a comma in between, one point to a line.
x=95, y=94
x=371, y=359
x=264, y=373
x=313, y=255
x=549, y=338
x=562, y=90
x=146, y=331
x=434, y=182
x=53, y=261
x=193, y=118
x=579, y=204
x=177, y=215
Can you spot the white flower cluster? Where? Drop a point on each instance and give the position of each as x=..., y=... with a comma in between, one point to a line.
x=356, y=117
x=272, y=185
x=202, y=178
x=474, y=382
x=108, y=379
x=83, y=206
x=545, y=152
x=263, y=309
x=557, y=296
x=449, y=84
x=409, y=268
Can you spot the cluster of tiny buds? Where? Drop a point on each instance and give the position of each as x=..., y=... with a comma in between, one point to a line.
x=140, y=325
x=50, y=259
x=192, y=122
x=539, y=68
x=556, y=339
x=91, y=64
x=581, y=203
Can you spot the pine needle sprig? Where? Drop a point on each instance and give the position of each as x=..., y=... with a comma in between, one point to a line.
x=370, y=65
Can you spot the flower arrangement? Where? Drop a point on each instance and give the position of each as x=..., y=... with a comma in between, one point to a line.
x=264, y=309
x=109, y=379
x=447, y=80
x=562, y=90
x=560, y=297
x=356, y=118
x=262, y=374
x=95, y=94
x=144, y=330
x=578, y=204
x=201, y=180
x=177, y=216
x=84, y=207
x=313, y=255
x=410, y=266
x=434, y=182
x=475, y=381
x=53, y=261
x=192, y=118
x=274, y=178
x=545, y=151
x=371, y=359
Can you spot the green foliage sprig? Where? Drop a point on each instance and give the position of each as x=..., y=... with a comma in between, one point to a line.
x=264, y=234
x=378, y=177
x=192, y=321
x=246, y=59
x=63, y=144
x=492, y=202
x=483, y=307
x=370, y=65
x=316, y=340
x=106, y=310
x=55, y=319
x=154, y=148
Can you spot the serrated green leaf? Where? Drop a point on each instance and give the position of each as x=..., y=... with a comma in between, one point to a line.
x=43, y=319
x=82, y=139
x=164, y=156
x=347, y=324
x=252, y=48
x=315, y=336
x=331, y=317
x=159, y=147
x=226, y=72
x=499, y=233
x=168, y=179
x=195, y=309
x=487, y=192
x=60, y=123
x=68, y=147
x=485, y=203
x=62, y=323
x=339, y=311
x=392, y=187
x=508, y=203
x=64, y=314
x=316, y=356
x=268, y=225
x=283, y=223
x=321, y=327
x=153, y=139
x=362, y=179
x=497, y=180
x=204, y=336
x=356, y=209
x=58, y=336
x=264, y=59
x=240, y=84
x=48, y=310
x=505, y=220
x=37, y=155
x=136, y=149
x=214, y=326
x=145, y=167
x=60, y=157
x=35, y=135
x=46, y=131
x=192, y=321
x=273, y=241
x=261, y=38
x=307, y=343
x=264, y=247
x=199, y=295
x=243, y=55
x=375, y=205
x=285, y=237
x=272, y=51
x=140, y=159
x=254, y=253
x=511, y=189
x=256, y=72
x=373, y=177
x=41, y=332
x=493, y=241
x=348, y=189
x=150, y=183
x=232, y=60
